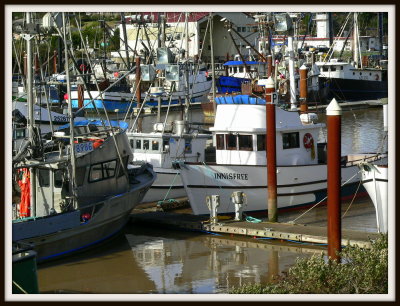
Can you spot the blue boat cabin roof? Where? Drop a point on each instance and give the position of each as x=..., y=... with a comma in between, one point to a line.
x=238, y=63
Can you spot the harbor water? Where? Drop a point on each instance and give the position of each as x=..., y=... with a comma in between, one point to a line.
x=144, y=259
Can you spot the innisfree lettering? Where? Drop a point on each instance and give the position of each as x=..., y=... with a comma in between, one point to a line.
x=231, y=176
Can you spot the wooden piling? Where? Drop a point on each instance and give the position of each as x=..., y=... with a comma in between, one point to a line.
x=303, y=89
x=333, y=115
x=271, y=152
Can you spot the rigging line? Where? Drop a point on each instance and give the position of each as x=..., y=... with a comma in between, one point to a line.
x=293, y=221
x=355, y=194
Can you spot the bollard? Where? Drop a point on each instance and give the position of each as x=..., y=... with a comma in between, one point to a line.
x=333, y=115
x=237, y=199
x=212, y=204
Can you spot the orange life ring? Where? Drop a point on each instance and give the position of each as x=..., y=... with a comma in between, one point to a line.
x=308, y=140
x=376, y=77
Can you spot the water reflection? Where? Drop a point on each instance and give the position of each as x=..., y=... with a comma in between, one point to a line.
x=149, y=261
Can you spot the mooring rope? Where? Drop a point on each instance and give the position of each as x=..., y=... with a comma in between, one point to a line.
x=19, y=287
x=293, y=221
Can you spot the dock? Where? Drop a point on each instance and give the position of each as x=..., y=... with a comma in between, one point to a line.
x=307, y=234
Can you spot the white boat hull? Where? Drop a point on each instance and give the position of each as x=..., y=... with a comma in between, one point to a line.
x=375, y=181
x=296, y=185
x=168, y=185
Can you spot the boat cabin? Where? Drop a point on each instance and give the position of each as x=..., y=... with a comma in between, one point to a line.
x=239, y=135
x=254, y=69
x=342, y=70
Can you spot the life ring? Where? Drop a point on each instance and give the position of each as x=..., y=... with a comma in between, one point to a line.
x=308, y=140
x=376, y=77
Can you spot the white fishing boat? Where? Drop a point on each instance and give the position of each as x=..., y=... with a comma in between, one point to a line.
x=375, y=181
x=161, y=148
x=239, y=135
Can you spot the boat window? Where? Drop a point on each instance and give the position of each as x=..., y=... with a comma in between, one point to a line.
x=354, y=73
x=146, y=144
x=154, y=145
x=131, y=143
x=44, y=177
x=245, y=142
x=138, y=144
x=325, y=68
x=290, y=140
x=260, y=142
x=235, y=69
x=109, y=169
x=80, y=175
x=220, y=142
x=341, y=67
x=231, y=142
x=165, y=145
x=58, y=178
x=333, y=68
x=96, y=173
x=19, y=133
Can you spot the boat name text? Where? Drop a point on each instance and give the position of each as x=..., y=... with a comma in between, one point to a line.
x=231, y=176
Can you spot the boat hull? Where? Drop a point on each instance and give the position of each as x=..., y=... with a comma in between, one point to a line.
x=375, y=181
x=352, y=90
x=53, y=243
x=296, y=185
x=168, y=185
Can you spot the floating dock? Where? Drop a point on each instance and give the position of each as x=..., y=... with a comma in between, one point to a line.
x=280, y=231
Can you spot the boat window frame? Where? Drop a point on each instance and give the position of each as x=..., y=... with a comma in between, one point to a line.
x=264, y=142
x=243, y=148
x=296, y=145
x=102, y=171
x=40, y=177
x=218, y=139
x=227, y=147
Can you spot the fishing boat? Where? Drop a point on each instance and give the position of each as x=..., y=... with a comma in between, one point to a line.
x=346, y=82
x=24, y=271
x=162, y=147
x=58, y=213
x=239, y=135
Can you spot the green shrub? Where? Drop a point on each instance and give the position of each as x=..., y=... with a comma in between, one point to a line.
x=362, y=271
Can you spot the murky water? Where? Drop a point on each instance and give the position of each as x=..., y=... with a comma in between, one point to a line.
x=150, y=260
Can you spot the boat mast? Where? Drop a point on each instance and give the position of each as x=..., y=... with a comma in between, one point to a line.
x=31, y=115
x=185, y=117
x=212, y=59
x=71, y=119
x=123, y=22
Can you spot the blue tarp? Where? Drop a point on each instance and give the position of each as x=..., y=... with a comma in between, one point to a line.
x=241, y=63
x=239, y=99
x=122, y=124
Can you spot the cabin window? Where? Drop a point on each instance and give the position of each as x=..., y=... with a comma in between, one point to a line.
x=124, y=165
x=290, y=140
x=96, y=173
x=354, y=73
x=44, y=177
x=80, y=175
x=360, y=73
x=220, y=142
x=58, y=178
x=246, y=142
x=155, y=145
x=165, y=145
x=341, y=67
x=260, y=142
x=109, y=169
x=231, y=141
x=131, y=143
x=333, y=68
x=19, y=133
x=146, y=144
x=138, y=144
x=325, y=68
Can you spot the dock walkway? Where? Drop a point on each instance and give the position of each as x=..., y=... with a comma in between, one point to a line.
x=281, y=231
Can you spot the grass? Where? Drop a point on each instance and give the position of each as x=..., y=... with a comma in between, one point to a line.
x=362, y=271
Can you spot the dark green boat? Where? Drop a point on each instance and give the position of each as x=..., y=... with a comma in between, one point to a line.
x=24, y=272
